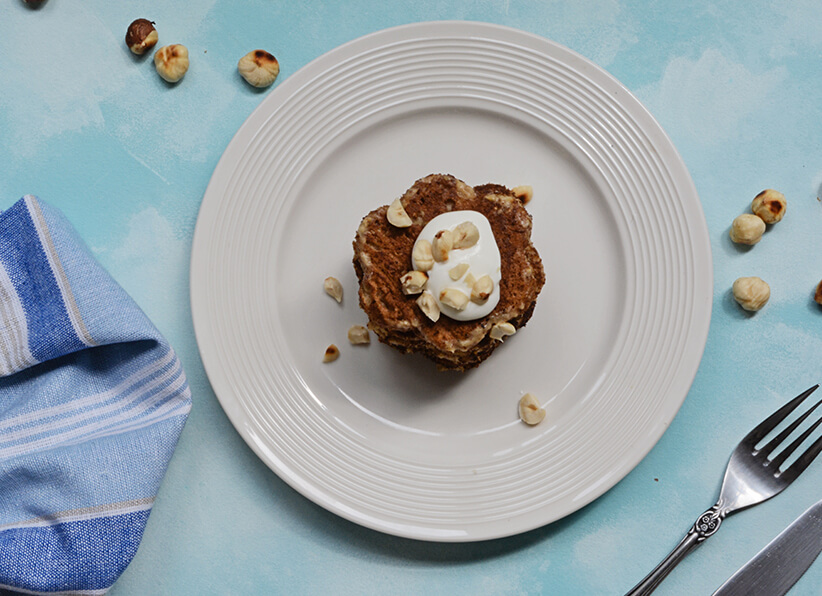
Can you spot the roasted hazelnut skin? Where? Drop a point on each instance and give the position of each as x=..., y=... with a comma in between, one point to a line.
x=259, y=68
x=770, y=205
x=171, y=62
x=747, y=229
x=752, y=293
x=817, y=296
x=141, y=36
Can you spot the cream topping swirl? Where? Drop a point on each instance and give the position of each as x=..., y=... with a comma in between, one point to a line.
x=482, y=258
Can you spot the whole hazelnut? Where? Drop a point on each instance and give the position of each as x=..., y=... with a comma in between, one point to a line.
x=747, y=229
x=818, y=294
x=769, y=205
x=751, y=293
x=171, y=62
x=259, y=68
x=141, y=36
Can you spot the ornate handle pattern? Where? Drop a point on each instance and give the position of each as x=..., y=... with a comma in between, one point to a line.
x=708, y=523
x=705, y=526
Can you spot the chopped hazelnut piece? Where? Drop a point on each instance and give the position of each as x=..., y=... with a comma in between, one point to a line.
x=423, y=255
x=530, y=411
x=428, y=305
x=358, y=335
x=442, y=245
x=465, y=235
x=524, y=193
x=502, y=330
x=413, y=282
x=333, y=288
x=332, y=352
x=454, y=298
x=482, y=289
x=397, y=216
x=457, y=272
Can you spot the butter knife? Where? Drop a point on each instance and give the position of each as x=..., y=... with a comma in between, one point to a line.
x=779, y=565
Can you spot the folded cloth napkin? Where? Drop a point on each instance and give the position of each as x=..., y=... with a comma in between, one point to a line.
x=92, y=402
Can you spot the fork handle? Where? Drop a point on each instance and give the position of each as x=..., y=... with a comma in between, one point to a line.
x=705, y=526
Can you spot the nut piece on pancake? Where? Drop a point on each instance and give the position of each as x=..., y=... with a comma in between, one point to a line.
x=413, y=282
x=481, y=289
x=442, y=245
x=502, y=330
x=397, y=216
x=423, y=256
x=413, y=322
x=429, y=306
x=523, y=193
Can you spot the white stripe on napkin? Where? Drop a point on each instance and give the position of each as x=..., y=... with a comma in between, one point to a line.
x=74, y=515
x=71, y=593
x=176, y=405
x=57, y=269
x=128, y=408
x=96, y=398
x=14, y=333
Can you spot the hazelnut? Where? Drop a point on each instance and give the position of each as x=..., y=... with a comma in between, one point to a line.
x=818, y=294
x=747, y=229
x=456, y=272
x=469, y=280
x=465, y=235
x=171, y=62
x=413, y=282
x=482, y=289
x=442, y=245
x=530, y=411
x=769, y=205
x=332, y=352
x=333, y=288
x=423, y=255
x=141, y=36
x=751, y=293
x=454, y=298
x=428, y=305
x=358, y=335
x=397, y=216
x=502, y=330
x=524, y=193
x=259, y=68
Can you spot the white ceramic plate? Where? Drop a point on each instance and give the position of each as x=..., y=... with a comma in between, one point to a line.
x=384, y=439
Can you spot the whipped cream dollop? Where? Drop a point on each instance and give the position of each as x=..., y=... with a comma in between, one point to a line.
x=481, y=259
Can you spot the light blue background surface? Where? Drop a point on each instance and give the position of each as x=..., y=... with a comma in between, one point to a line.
x=92, y=130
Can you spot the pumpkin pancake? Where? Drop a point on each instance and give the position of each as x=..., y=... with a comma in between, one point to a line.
x=382, y=255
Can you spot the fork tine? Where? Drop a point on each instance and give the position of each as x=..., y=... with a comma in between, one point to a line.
x=797, y=467
x=771, y=422
x=781, y=437
x=786, y=453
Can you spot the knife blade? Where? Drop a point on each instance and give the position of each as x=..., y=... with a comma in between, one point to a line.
x=779, y=565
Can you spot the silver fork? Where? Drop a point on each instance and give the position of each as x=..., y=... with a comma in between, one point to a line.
x=750, y=478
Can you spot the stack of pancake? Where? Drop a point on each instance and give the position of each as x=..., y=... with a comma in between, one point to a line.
x=382, y=255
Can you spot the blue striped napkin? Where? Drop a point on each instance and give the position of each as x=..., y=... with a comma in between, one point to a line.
x=92, y=402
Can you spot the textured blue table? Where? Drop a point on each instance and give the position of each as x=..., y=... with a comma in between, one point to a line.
x=94, y=131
